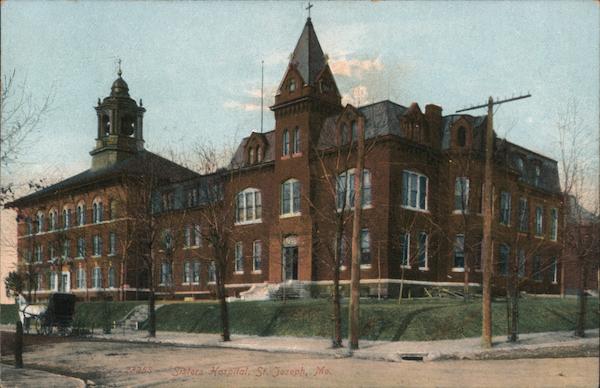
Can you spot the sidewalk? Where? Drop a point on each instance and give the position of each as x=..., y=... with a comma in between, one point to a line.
x=24, y=378
x=533, y=345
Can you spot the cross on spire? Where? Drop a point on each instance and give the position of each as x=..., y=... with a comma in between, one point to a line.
x=119, y=72
x=308, y=8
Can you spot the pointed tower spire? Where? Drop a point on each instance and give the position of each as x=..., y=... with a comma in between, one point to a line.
x=308, y=57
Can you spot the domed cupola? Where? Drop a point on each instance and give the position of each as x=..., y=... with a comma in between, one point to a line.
x=120, y=126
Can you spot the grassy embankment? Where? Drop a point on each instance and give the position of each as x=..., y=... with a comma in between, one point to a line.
x=417, y=319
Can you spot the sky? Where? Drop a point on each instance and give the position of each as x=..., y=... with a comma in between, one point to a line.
x=197, y=65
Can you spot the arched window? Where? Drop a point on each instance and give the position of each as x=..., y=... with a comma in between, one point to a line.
x=345, y=135
x=461, y=136
x=52, y=219
x=97, y=211
x=187, y=272
x=292, y=85
x=251, y=156
x=290, y=197
x=286, y=143
x=81, y=213
x=345, y=189
x=259, y=154
x=40, y=222
x=248, y=206
x=66, y=217
x=296, y=149
x=114, y=206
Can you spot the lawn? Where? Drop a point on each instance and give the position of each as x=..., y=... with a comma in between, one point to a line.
x=416, y=319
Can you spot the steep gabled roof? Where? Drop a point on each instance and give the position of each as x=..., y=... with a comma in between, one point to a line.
x=137, y=165
x=308, y=57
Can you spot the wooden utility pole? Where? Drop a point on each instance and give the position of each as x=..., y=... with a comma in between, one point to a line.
x=486, y=325
x=353, y=309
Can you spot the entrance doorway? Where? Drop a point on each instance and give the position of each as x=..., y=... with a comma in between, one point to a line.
x=65, y=282
x=290, y=263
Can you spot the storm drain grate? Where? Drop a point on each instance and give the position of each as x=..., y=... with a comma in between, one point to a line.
x=411, y=357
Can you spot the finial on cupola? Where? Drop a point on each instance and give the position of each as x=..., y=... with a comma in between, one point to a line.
x=141, y=104
x=119, y=72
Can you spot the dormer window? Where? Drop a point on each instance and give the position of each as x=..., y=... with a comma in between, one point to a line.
x=537, y=171
x=251, y=156
x=519, y=164
x=259, y=154
x=292, y=85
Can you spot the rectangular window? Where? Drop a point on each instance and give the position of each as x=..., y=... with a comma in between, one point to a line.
x=414, y=190
x=53, y=281
x=461, y=194
x=459, y=253
x=405, y=248
x=112, y=281
x=256, y=256
x=521, y=259
x=422, y=252
x=286, y=143
x=505, y=208
x=81, y=247
x=239, y=257
x=112, y=243
x=187, y=272
x=51, y=252
x=97, y=245
x=81, y=281
x=187, y=236
x=523, y=215
x=166, y=272
x=197, y=235
x=192, y=197
x=539, y=221
x=554, y=224
x=290, y=197
x=38, y=253
x=537, y=269
x=167, y=201
x=212, y=273
x=345, y=190
x=66, y=248
x=342, y=250
x=365, y=247
x=97, y=277
x=196, y=277
x=503, y=260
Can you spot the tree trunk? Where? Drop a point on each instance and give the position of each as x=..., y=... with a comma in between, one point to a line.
x=151, y=313
x=224, y=312
x=581, y=300
x=486, y=324
x=337, y=316
x=19, y=345
x=466, y=275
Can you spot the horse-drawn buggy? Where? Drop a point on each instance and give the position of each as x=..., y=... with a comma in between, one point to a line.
x=58, y=313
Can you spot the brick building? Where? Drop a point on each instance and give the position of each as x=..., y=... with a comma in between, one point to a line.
x=284, y=189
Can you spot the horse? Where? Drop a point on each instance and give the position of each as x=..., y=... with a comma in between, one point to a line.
x=29, y=311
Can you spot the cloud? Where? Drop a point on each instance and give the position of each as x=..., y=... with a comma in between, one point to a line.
x=355, y=67
x=236, y=105
x=358, y=95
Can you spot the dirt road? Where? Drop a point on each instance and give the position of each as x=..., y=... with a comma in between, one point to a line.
x=118, y=364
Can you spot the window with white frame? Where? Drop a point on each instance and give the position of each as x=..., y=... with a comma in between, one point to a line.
x=197, y=235
x=290, y=197
x=521, y=270
x=187, y=236
x=112, y=278
x=38, y=281
x=505, y=208
x=97, y=211
x=256, y=256
x=554, y=224
x=365, y=248
x=539, y=221
x=504, y=253
x=66, y=218
x=27, y=255
x=51, y=252
x=166, y=273
x=296, y=149
x=167, y=201
x=53, y=281
x=192, y=197
x=97, y=245
x=167, y=240
x=422, y=251
x=212, y=272
x=345, y=189
x=459, y=253
x=81, y=213
x=38, y=253
x=405, y=250
x=523, y=215
x=97, y=277
x=239, y=258
x=461, y=194
x=80, y=247
x=66, y=249
x=29, y=226
x=52, y=219
x=537, y=171
x=248, y=206
x=187, y=272
x=40, y=222
x=81, y=278
x=414, y=190
x=554, y=273
x=112, y=243
x=285, y=150
x=196, y=274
